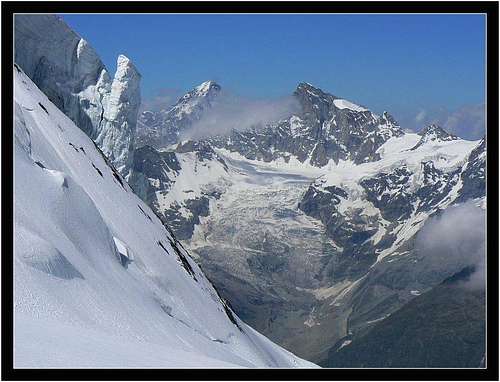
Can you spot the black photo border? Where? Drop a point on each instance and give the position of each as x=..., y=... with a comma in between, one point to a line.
x=9, y=8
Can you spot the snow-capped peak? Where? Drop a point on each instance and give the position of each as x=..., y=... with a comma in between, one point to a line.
x=207, y=86
x=308, y=89
x=434, y=131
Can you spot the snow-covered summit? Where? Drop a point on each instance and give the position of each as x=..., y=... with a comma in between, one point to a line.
x=99, y=280
x=206, y=87
x=168, y=125
x=196, y=99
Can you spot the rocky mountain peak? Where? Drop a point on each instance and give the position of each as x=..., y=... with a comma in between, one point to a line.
x=434, y=131
x=389, y=119
x=305, y=89
x=163, y=128
x=207, y=90
x=315, y=103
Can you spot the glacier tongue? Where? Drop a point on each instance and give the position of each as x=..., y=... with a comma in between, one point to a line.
x=68, y=70
x=76, y=303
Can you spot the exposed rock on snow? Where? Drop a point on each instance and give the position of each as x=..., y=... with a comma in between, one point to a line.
x=327, y=129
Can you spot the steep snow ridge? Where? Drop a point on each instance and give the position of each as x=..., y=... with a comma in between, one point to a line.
x=345, y=104
x=76, y=303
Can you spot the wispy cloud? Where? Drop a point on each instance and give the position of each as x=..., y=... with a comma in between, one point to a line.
x=164, y=98
x=231, y=112
x=420, y=117
x=467, y=121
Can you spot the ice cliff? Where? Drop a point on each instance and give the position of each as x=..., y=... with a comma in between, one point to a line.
x=68, y=70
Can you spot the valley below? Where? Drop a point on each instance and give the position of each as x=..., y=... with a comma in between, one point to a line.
x=267, y=256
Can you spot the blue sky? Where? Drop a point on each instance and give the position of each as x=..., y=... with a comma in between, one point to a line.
x=407, y=64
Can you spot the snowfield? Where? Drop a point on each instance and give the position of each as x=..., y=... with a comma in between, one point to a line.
x=99, y=281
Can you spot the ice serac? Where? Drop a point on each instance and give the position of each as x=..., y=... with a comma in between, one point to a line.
x=117, y=128
x=69, y=71
x=64, y=67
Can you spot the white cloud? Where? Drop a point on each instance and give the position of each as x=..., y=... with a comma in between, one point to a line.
x=419, y=118
x=467, y=122
x=163, y=99
x=456, y=239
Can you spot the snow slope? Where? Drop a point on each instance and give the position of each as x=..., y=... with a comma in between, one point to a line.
x=99, y=281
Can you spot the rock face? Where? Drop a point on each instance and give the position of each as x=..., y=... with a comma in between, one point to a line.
x=328, y=128
x=473, y=174
x=67, y=69
x=179, y=184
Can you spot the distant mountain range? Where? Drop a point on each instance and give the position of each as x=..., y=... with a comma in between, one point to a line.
x=295, y=221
